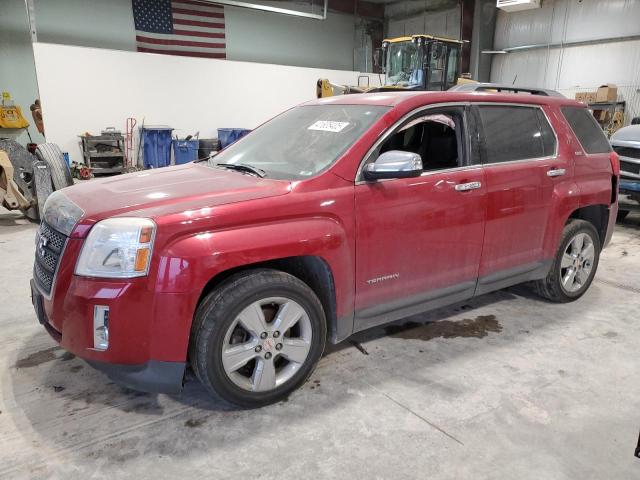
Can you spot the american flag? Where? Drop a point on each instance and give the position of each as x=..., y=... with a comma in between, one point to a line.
x=179, y=27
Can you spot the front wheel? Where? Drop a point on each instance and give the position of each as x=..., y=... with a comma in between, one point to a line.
x=257, y=337
x=575, y=263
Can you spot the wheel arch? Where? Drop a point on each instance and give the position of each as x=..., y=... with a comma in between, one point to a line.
x=313, y=270
x=597, y=215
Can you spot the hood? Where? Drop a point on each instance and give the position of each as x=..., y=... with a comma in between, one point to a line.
x=169, y=190
x=627, y=134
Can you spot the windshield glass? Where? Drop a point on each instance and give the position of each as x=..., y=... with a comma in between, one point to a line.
x=303, y=141
x=404, y=64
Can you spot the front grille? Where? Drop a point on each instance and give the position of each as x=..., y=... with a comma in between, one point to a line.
x=629, y=167
x=628, y=152
x=49, y=246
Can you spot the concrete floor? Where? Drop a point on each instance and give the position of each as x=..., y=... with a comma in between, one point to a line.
x=504, y=386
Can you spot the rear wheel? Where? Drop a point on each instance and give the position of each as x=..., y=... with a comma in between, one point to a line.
x=257, y=337
x=575, y=263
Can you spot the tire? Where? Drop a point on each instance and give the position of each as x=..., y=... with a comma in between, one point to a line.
x=552, y=287
x=622, y=214
x=42, y=184
x=60, y=174
x=220, y=322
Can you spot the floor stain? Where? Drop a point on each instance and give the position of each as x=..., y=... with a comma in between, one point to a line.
x=66, y=356
x=359, y=346
x=76, y=368
x=193, y=423
x=476, y=328
x=58, y=388
x=37, y=358
x=610, y=334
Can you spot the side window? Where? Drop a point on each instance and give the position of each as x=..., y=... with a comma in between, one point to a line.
x=546, y=134
x=436, y=136
x=587, y=130
x=515, y=133
x=452, y=66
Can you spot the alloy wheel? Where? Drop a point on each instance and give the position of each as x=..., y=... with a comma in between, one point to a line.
x=577, y=263
x=266, y=344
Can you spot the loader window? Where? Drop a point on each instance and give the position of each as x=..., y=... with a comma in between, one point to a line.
x=452, y=67
x=404, y=64
x=436, y=137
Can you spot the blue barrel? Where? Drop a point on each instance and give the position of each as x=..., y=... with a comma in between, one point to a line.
x=229, y=135
x=156, y=144
x=185, y=151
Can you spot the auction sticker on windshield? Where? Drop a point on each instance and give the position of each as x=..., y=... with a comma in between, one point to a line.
x=328, y=126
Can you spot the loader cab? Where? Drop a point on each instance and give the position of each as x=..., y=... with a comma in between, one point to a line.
x=421, y=62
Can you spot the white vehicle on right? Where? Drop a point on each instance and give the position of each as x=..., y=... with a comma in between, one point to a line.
x=626, y=143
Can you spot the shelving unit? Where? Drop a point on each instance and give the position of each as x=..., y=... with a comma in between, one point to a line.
x=604, y=113
x=104, y=154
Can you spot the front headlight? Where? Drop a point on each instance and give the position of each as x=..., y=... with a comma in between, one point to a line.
x=117, y=248
x=61, y=213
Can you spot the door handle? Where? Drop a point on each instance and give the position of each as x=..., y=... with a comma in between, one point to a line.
x=556, y=172
x=465, y=187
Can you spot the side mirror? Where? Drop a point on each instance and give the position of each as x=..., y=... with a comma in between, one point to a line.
x=394, y=164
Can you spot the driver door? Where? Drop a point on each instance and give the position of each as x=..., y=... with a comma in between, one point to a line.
x=419, y=240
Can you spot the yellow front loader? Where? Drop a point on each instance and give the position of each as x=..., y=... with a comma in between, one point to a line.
x=418, y=62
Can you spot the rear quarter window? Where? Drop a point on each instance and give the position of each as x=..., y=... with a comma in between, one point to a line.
x=587, y=130
x=516, y=133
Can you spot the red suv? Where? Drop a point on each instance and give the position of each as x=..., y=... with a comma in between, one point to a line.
x=335, y=216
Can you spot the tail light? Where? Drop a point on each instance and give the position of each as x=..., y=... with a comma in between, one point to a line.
x=615, y=163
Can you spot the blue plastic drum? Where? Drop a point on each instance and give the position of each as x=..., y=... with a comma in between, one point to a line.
x=229, y=135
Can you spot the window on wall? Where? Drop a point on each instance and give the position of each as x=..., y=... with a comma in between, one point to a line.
x=587, y=130
x=515, y=133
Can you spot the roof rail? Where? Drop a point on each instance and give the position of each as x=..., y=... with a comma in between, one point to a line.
x=484, y=87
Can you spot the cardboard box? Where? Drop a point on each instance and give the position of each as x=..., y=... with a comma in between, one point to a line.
x=607, y=93
x=586, y=97
x=590, y=97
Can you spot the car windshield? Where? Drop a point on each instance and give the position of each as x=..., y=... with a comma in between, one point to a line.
x=404, y=64
x=301, y=142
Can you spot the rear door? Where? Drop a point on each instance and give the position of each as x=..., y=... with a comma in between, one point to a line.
x=522, y=169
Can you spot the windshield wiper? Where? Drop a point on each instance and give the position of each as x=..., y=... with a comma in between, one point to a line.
x=243, y=167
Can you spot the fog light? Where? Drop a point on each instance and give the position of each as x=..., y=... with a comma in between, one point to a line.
x=100, y=327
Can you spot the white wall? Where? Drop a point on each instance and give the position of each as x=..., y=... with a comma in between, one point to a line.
x=189, y=94
x=17, y=71
x=574, y=68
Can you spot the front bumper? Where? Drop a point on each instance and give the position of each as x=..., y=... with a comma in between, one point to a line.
x=629, y=195
x=139, y=356
x=153, y=376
